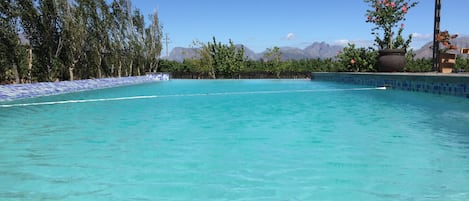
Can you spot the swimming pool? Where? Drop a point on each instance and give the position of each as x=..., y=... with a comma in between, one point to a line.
x=236, y=140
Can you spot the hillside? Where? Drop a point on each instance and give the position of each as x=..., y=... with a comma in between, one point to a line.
x=316, y=50
x=320, y=50
x=427, y=52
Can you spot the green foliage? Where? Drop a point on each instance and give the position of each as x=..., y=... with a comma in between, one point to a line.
x=190, y=68
x=76, y=39
x=357, y=59
x=220, y=60
x=273, y=57
x=418, y=65
x=9, y=40
x=462, y=64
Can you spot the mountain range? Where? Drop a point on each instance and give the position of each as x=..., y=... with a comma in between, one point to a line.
x=320, y=50
x=316, y=50
x=427, y=52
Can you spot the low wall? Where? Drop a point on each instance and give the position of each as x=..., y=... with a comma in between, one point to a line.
x=21, y=91
x=446, y=84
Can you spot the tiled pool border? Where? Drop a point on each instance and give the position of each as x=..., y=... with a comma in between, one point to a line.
x=21, y=91
x=444, y=84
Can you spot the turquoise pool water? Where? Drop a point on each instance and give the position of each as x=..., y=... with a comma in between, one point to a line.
x=260, y=140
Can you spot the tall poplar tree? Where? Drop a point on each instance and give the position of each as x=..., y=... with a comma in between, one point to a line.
x=30, y=29
x=10, y=41
x=153, y=40
x=74, y=31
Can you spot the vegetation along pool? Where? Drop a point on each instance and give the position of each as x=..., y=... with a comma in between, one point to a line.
x=262, y=140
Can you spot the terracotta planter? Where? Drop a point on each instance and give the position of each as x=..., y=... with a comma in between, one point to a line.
x=447, y=62
x=391, y=60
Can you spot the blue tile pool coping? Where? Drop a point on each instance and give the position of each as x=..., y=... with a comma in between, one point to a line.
x=21, y=91
x=436, y=83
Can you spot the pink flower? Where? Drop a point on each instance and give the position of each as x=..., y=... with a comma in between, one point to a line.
x=384, y=1
x=352, y=61
x=404, y=9
x=402, y=26
x=393, y=4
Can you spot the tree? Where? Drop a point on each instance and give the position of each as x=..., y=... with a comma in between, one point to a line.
x=9, y=38
x=203, y=64
x=137, y=42
x=120, y=25
x=273, y=57
x=49, y=40
x=226, y=59
x=30, y=26
x=154, y=35
x=74, y=31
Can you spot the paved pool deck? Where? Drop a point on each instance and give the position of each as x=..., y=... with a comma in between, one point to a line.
x=11, y=92
x=454, y=84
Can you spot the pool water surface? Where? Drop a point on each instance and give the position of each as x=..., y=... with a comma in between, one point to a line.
x=260, y=140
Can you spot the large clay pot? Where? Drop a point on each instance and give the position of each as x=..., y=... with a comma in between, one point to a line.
x=391, y=60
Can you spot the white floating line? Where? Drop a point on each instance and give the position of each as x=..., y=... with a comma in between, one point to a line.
x=381, y=88
x=186, y=95
x=78, y=101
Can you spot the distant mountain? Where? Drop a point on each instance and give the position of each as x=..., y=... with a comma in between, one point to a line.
x=292, y=53
x=322, y=50
x=316, y=50
x=427, y=52
x=181, y=53
x=249, y=53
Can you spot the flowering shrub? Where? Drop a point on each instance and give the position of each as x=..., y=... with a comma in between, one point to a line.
x=444, y=38
x=357, y=59
x=386, y=15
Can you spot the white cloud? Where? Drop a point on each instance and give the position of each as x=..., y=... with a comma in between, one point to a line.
x=420, y=36
x=342, y=42
x=290, y=36
x=358, y=43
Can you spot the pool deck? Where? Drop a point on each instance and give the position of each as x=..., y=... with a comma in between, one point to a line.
x=454, y=84
x=21, y=91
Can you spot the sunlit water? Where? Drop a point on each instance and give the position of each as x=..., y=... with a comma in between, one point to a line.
x=220, y=140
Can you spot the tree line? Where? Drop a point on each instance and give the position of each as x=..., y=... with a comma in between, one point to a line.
x=215, y=60
x=49, y=40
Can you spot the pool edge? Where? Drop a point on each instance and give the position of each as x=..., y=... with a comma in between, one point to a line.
x=435, y=83
x=13, y=92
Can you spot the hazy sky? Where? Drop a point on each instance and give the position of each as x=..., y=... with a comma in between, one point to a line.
x=261, y=24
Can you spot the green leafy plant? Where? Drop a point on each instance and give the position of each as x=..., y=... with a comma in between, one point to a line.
x=462, y=64
x=357, y=59
x=386, y=15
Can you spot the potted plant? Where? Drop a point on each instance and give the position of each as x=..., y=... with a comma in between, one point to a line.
x=446, y=59
x=387, y=16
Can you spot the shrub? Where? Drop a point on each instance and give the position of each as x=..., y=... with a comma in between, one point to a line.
x=418, y=65
x=357, y=59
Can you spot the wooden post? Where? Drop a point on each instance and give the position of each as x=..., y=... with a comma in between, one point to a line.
x=436, y=31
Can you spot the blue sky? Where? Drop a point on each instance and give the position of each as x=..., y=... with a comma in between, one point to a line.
x=261, y=24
